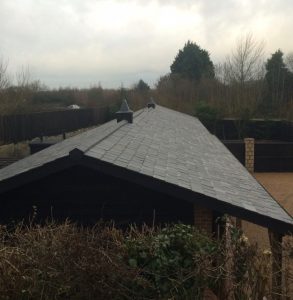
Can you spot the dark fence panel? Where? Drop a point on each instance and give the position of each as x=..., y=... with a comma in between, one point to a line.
x=269, y=156
x=231, y=129
x=273, y=157
x=21, y=127
x=287, y=131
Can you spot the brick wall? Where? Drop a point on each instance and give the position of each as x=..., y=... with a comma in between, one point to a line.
x=249, y=154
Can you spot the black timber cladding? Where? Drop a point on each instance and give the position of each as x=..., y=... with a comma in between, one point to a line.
x=165, y=150
x=85, y=195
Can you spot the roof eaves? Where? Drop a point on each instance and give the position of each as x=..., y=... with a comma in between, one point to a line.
x=36, y=173
x=186, y=194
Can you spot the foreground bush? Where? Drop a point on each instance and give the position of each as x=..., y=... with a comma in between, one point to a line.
x=64, y=262
x=177, y=262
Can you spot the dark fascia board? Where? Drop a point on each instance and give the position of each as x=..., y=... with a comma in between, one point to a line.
x=42, y=171
x=77, y=158
x=187, y=195
x=37, y=173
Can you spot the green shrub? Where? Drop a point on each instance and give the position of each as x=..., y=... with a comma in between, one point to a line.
x=177, y=260
x=208, y=115
x=205, y=112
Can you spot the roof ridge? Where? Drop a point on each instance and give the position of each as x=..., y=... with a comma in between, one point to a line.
x=135, y=115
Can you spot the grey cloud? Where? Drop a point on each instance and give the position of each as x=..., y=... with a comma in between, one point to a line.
x=63, y=41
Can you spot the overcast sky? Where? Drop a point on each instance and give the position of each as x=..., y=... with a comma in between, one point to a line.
x=85, y=42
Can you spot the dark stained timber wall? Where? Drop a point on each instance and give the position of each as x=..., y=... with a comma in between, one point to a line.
x=85, y=196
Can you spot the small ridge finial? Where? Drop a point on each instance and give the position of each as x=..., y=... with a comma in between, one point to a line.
x=125, y=113
x=151, y=103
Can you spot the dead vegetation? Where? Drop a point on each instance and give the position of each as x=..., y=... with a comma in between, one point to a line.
x=64, y=261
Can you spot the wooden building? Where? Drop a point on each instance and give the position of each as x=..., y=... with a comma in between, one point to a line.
x=154, y=166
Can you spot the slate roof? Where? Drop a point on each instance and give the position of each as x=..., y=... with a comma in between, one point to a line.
x=6, y=161
x=167, y=150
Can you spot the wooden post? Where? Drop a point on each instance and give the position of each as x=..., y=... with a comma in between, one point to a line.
x=203, y=219
x=249, y=165
x=238, y=223
x=276, y=247
x=229, y=263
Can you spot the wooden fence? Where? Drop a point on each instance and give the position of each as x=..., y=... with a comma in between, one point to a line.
x=21, y=127
x=231, y=129
x=269, y=156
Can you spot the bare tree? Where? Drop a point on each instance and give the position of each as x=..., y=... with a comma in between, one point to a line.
x=246, y=61
x=242, y=74
x=16, y=95
x=23, y=90
x=4, y=84
x=4, y=78
x=23, y=76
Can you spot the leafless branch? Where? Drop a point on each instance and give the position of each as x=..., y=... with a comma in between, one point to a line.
x=4, y=78
x=246, y=60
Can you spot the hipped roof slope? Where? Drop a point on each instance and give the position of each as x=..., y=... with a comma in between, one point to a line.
x=169, y=150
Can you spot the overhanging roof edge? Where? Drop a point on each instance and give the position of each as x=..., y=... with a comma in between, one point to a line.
x=182, y=193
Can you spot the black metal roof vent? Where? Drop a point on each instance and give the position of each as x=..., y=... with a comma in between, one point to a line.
x=152, y=103
x=124, y=113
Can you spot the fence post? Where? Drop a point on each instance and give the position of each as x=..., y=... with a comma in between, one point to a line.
x=276, y=247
